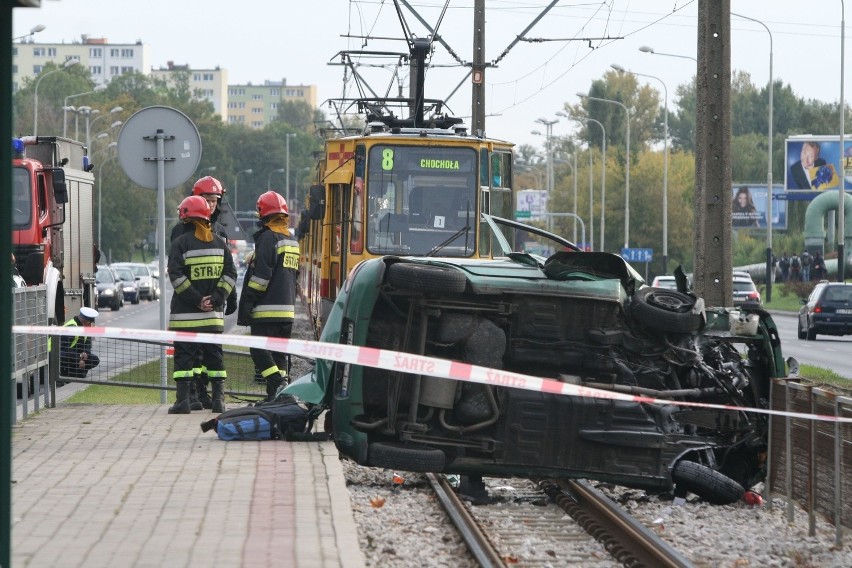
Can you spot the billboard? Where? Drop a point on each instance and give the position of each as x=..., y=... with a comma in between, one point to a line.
x=748, y=206
x=812, y=163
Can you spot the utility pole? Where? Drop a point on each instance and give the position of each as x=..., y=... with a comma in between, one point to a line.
x=478, y=70
x=713, y=274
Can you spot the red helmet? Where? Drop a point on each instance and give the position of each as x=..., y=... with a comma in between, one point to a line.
x=208, y=186
x=195, y=207
x=271, y=203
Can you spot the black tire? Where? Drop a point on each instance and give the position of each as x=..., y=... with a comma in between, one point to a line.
x=811, y=334
x=801, y=332
x=408, y=276
x=135, y=299
x=116, y=304
x=407, y=459
x=665, y=310
x=709, y=484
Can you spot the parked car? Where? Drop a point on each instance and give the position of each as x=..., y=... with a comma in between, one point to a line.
x=828, y=310
x=745, y=291
x=129, y=283
x=584, y=318
x=110, y=292
x=149, y=287
x=667, y=282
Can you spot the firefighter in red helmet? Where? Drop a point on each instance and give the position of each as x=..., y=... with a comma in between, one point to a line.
x=212, y=191
x=202, y=273
x=268, y=297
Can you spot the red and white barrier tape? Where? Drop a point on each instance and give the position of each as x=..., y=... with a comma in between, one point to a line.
x=394, y=361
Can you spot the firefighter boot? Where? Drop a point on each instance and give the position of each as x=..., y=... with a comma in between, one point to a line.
x=272, y=384
x=218, y=396
x=194, y=402
x=201, y=391
x=181, y=405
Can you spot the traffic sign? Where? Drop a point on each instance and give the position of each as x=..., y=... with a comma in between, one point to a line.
x=637, y=254
x=522, y=214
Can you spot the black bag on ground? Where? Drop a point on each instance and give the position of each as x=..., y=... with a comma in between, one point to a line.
x=273, y=420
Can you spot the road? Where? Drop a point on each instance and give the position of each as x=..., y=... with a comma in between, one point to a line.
x=828, y=351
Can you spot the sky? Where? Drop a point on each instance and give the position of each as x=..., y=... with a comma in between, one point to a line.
x=262, y=40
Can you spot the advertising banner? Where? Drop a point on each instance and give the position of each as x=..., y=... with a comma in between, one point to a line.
x=812, y=164
x=748, y=206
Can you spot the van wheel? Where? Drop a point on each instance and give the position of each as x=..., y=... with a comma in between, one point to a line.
x=665, y=310
x=409, y=276
x=405, y=458
x=709, y=484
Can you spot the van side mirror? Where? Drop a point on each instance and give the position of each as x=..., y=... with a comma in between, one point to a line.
x=317, y=202
x=60, y=188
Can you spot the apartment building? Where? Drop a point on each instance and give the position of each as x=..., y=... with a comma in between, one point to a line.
x=205, y=84
x=257, y=105
x=103, y=59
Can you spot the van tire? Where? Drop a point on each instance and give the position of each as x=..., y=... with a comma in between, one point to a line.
x=404, y=458
x=665, y=310
x=437, y=279
x=710, y=485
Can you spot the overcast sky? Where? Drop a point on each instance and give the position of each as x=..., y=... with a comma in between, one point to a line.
x=259, y=40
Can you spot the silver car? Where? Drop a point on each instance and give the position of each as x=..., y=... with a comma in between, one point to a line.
x=149, y=288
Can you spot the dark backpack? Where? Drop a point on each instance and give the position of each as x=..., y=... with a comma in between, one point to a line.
x=794, y=262
x=275, y=420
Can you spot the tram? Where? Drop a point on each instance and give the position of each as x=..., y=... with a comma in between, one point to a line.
x=411, y=186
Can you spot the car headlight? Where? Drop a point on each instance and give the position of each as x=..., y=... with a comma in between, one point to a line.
x=108, y=292
x=128, y=288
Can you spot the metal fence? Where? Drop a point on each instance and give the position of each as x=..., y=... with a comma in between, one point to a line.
x=30, y=353
x=808, y=458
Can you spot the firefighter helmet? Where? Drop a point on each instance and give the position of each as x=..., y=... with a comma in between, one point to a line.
x=194, y=207
x=208, y=185
x=271, y=203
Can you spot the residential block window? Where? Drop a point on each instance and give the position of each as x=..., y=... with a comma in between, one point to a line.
x=51, y=52
x=37, y=69
x=257, y=111
x=257, y=124
x=207, y=77
x=113, y=52
x=273, y=106
x=127, y=52
x=126, y=70
x=275, y=92
x=38, y=52
x=236, y=92
x=196, y=77
x=95, y=69
x=242, y=104
x=257, y=97
x=113, y=70
x=232, y=105
x=96, y=52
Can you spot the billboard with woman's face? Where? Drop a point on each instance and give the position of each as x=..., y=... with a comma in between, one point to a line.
x=812, y=164
x=748, y=207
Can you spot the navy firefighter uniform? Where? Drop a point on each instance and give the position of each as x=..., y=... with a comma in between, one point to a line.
x=268, y=296
x=202, y=273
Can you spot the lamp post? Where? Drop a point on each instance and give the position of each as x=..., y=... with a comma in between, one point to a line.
x=665, y=163
x=769, y=165
x=841, y=219
x=287, y=168
x=68, y=63
x=116, y=123
x=34, y=30
x=269, y=177
x=207, y=169
x=548, y=143
x=603, y=174
x=648, y=49
x=66, y=107
x=236, y=193
x=627, y=170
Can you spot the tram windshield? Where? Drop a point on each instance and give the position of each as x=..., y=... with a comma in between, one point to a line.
x=421, y=199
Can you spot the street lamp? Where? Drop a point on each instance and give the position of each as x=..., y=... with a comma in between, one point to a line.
x=627, y=171
x=841, y=242
x=648, y=49
x=66, y=107
x=665, y=163
x=269, y=177
x=207, y=169
x=769, y=165
x=66, y=64
x=33, y=31
x=287, y=169
x=548, y=143
x=112, y=111
x=236, y=193
x=603, y=175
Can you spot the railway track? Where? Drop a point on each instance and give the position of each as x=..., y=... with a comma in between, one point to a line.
x=537, y=531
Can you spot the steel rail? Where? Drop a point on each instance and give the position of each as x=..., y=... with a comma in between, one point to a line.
x=475, y=540
x=628, y=540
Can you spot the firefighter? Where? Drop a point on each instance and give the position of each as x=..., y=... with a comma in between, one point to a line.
x=202, y=273
x=268, y=297
x=75, y=353
x=212, y=191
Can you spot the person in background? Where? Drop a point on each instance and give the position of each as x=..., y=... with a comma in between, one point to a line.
x=819, y=270
x=268, y=297
x=75, y=352
x=212, y=191
x=784, y=265
x=201, y=270
x=795, y=269
x=806, y=261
